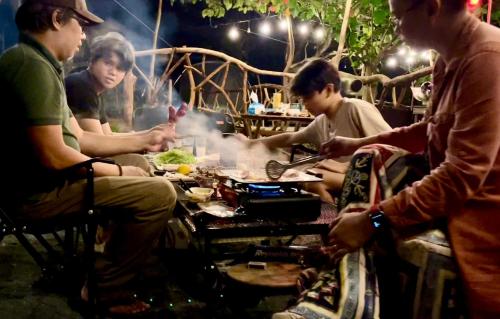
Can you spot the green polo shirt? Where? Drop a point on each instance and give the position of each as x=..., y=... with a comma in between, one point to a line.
x=32, y=94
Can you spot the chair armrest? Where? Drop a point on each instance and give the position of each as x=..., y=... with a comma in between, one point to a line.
x=89, y=190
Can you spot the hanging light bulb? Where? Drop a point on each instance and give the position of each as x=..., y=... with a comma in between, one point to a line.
x=391, y=62
x=283, y=24
x=319, y=34
x=233, y=33
x=426, y=55
x=303, y=29
x=410, y=60
x=265, y=28
x=402, y=51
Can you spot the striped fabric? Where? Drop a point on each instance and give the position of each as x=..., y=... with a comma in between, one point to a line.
x=350, y=289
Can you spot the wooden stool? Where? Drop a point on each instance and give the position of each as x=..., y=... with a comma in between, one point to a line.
x=274, y=275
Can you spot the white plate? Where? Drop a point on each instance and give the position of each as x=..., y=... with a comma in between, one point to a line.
x=217, y=209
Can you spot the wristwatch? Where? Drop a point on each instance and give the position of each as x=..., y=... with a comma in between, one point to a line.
x=378, y=220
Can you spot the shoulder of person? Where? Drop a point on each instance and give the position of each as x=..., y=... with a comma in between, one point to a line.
x=76, y=78
x=354, y=103
x=24, y=56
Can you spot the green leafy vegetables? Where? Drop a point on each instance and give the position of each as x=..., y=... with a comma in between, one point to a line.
x=175, y=156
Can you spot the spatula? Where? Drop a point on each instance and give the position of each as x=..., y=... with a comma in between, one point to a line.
x=275, y=169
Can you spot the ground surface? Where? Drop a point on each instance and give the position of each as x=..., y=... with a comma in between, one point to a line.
x=21, y=297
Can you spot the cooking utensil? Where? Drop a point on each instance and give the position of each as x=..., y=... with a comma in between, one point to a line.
x=185, y=186
x=275, y=169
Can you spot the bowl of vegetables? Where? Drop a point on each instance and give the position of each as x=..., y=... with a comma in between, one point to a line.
x=172, y=159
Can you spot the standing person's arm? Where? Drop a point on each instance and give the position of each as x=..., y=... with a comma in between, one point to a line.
x=411, y=138
x=473, y=145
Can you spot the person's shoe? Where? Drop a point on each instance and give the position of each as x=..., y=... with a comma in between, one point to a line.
x=126, y=305
x=287, y=315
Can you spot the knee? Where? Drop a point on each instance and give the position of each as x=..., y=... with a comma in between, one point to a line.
x=162, y=195
x=165, y=191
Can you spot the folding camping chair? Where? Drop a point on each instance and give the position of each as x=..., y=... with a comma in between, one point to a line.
x=54, y=262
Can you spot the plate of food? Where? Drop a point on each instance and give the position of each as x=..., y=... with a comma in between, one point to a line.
x=172, y=159
x=217, y=209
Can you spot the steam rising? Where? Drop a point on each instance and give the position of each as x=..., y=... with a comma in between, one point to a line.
x=233, y=151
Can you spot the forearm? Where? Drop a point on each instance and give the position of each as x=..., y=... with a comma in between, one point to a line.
x=67, y=157
x=412, y=138
x=108, y=145
x=279, y=140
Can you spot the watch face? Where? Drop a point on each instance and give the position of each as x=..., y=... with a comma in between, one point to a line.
x=376, y=224
x=378, y=220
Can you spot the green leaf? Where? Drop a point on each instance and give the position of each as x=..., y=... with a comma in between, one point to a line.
x=228, y=4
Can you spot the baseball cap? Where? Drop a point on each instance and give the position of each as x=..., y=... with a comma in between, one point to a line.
x=79, y=6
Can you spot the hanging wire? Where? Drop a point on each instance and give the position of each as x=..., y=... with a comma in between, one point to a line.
x=262, y=35
x=141, y=22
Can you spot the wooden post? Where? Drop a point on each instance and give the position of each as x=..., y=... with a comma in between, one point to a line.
x=155, y=39
x=343, y=32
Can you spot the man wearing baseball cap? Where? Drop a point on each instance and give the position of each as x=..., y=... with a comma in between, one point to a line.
x=79, y=6
x=38, y=127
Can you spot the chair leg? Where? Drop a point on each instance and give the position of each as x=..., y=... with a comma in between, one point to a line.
x=90, y=264
x=42, y=263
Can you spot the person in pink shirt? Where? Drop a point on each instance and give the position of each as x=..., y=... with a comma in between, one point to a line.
x=461, y=136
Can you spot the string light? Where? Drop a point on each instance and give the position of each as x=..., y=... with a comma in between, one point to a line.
x=319, y=34
x=391, y=62
x=410, y=60
x=402, y=51
x=303, y=29
x=283, y=24
x=265, y=28
x=233, y=34
x=408, y=57
x=426, y=55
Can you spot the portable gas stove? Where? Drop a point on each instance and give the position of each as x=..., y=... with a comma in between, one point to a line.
x=271, y=200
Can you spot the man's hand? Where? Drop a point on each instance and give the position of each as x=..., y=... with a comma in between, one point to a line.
x=348, y=232
x=341, y=146
x=133, y=171
x=156, y=139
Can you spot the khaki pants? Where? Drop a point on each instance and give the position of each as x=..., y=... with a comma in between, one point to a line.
x=139, y=208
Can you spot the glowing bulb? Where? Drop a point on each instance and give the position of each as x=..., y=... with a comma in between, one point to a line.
x=233, y=34
x=319, y=34
x=426, y=55
x=303, y=28
x=265, y=28
x=402, y=51
x=412, y=53
x=391, y=62
x=283, y=25
x=410, y=60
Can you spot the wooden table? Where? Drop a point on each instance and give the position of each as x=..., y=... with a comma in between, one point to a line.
x=281, y=123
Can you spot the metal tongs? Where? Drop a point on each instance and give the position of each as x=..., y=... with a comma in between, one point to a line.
x=275, y=169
